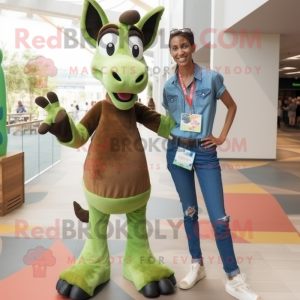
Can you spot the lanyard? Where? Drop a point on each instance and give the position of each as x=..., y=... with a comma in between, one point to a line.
x=189, y=99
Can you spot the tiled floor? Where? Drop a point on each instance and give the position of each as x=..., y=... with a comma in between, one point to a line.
x=266, y=193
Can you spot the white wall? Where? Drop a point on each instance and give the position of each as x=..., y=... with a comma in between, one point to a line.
x=255, y=93
x=235, y=10
x=172, y=18
x=197, y=16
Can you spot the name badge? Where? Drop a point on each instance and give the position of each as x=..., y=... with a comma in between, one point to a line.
x=190, y=122
x=184, y=158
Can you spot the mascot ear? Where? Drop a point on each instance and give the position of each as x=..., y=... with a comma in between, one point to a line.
x=92, y=20
x=149, y=25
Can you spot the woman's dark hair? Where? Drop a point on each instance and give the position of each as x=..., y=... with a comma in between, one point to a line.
x=187, y=35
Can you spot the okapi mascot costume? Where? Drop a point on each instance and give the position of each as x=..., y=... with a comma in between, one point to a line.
x=119, y=64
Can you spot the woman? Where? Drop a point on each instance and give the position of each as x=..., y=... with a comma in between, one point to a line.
x=20, y=109
x=285, y=108
x=190, y=97
x=151, y=104
x=292, y=112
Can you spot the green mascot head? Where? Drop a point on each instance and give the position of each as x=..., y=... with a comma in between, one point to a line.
x=118, y=61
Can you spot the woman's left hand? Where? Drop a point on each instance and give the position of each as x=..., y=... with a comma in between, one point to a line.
x=212, y=141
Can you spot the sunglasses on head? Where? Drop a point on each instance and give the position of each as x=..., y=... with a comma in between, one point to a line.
x=184, y=30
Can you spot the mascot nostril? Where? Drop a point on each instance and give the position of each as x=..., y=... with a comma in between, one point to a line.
x=110, y=190
x=116, y=76
x=140, y=79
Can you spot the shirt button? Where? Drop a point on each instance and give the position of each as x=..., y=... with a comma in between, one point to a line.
x=202, y=94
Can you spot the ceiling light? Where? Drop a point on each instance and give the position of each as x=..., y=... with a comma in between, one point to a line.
x=287, y=68
x=292, y=73
x=294, y=57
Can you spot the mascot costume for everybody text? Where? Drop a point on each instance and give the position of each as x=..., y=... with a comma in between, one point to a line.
x=119, y=64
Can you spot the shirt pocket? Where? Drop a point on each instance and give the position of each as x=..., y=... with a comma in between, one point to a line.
x=203, y=97
x=172, y=103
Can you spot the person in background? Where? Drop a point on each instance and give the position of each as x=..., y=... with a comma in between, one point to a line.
x=86, y=107
x=280, y=102
x=298, y=113
x=151, y=104
x=76, y=114
x=76, y=105
x=285, y=109
x=20, y=109
x=279, y=113
x=292, y=112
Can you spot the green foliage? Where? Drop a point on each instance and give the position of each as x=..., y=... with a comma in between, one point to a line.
x=19, y=84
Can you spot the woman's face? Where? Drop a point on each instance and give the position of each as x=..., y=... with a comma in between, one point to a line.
x=181, y=50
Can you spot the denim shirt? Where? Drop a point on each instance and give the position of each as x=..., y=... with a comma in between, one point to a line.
x=209, y=88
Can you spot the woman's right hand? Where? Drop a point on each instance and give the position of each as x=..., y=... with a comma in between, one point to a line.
x=57, y=121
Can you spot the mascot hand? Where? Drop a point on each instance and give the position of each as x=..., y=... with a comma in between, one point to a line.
x=57, y=121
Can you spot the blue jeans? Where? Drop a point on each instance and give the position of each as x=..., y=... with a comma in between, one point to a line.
x=206, y=165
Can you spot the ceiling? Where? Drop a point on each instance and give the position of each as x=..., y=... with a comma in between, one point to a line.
x=61, y=13
x=73, y=8
x=275, y=16
x=278, y=17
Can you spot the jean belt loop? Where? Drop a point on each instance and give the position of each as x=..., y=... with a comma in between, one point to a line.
x=176, y=141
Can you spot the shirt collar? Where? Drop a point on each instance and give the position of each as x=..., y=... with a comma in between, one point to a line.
x=197, y=74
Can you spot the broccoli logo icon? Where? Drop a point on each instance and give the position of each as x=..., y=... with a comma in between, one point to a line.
x=39, y=258
x=40, y=68
x=94, y=165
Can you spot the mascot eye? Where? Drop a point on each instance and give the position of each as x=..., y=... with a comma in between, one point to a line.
x=107, y=44
x=136, y=47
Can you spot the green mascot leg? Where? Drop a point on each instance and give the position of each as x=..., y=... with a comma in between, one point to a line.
x=92, y=266
x=139, y=265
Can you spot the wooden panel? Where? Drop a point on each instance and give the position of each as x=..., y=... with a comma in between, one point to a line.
x=11, y=182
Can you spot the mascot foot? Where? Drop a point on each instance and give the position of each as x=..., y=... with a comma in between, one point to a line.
x=163, y=287
x=72, y=291
x=80, y=281
x=149, y=276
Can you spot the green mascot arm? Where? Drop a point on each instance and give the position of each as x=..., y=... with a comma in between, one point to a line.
x=60, y=124
x=85, y=128
x=154, y=121
x=80, y=135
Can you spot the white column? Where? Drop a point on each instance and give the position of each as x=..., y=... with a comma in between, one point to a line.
x=172, y=18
